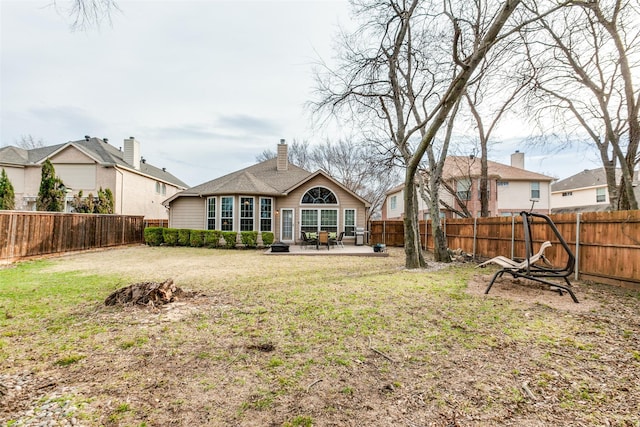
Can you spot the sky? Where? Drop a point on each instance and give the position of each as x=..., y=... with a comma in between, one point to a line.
x=205, y=86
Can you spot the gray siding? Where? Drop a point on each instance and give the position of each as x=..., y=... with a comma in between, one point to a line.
x=188, y=212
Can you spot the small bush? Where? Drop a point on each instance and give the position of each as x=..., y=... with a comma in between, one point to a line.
x=153, y=236
x=212, y=238
x=267, y=238
x=249, y=238
x=170, y=236
x=230, y=238
x=184, y=234
x=196, y=239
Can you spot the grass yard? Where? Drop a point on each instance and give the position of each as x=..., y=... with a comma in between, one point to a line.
x=302, y=341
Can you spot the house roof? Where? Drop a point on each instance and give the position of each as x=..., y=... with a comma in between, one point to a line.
x=467, y=166
x=585, y=179
x=260, y=179
x=96, y=148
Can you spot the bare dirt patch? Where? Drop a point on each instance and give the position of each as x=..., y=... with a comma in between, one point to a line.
x=530, y=292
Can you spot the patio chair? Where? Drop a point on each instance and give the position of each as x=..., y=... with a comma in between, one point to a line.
x=308, y=240
x=323, y=239
x=528, y=269
x=338, y=240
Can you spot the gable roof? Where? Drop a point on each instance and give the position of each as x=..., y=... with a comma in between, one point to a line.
x=262, y=179
x=97, y=149
x=467, y=166
x=588, y=178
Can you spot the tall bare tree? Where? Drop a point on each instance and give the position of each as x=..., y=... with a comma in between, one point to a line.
x=499, y=85
x=586, y=59
x=403, y=71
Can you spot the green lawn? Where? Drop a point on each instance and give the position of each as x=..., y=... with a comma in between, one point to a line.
x=293, y=341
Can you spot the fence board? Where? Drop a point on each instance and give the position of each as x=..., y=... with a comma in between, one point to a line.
x=609, y=242
x=30, y=234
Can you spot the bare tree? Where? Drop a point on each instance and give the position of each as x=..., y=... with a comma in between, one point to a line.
x=28, y=142
x=404, y=70
x=586, y=65
x=299, y=154
x=88, y=13
x=490, y=96
x=357, y=166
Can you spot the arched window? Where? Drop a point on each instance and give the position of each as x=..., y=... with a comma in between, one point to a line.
x=320, y=196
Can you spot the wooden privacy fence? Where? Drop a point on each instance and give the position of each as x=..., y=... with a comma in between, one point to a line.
x=606, y=244
x=30, y=234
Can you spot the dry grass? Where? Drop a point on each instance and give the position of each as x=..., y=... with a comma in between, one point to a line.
x=295, y=341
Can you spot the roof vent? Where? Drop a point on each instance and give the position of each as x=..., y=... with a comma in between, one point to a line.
x=143, y=160
x=164, y=169
x=106, y=140
x=87, y=137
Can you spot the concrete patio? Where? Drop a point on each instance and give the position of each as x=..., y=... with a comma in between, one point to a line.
x=347, y=250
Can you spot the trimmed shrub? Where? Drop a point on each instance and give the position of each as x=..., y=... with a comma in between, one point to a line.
x=230, y=238
x=196, y=239
x=153, y=236
x=170, y=236
x=212, y=238
x=267, y=238
x=249, y=238
x=184, y=234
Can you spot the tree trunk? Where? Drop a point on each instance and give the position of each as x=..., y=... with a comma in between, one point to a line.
x=440, y=250
x=412, y=249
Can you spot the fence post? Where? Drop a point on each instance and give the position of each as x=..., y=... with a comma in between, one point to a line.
x=384, y=232
x=513, y=235
x=475, y=233
x=577, y=260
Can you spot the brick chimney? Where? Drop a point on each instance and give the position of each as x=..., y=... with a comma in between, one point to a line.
x=283, y=157
x=517, y=160
x=132, y=152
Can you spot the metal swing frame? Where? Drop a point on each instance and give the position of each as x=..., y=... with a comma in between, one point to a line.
x=541, y=273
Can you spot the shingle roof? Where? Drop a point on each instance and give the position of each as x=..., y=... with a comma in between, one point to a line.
x=466, y=166
x=586, y=178
x=262, y=178
x=13, y=155
x=103, y=152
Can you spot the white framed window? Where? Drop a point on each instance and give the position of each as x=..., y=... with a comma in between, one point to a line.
x=601, y=195
x=246, y=214
x=535, y=190
x=266, y=214
x=314, y=220
x=463, y=188
x=350, y=222
x=226, y=213
x=164, y=189
x=211, y=213
x=157, y=187
x=319, y=196
x=393, y=202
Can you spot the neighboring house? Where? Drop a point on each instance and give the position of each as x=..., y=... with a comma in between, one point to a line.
x=585, y=191
x=89, y=164
x=273, y=196
x=512, y=189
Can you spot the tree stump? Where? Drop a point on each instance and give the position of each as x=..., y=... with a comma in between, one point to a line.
x=145, y=293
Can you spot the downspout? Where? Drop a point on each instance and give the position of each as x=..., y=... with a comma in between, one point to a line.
x=121, y=189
